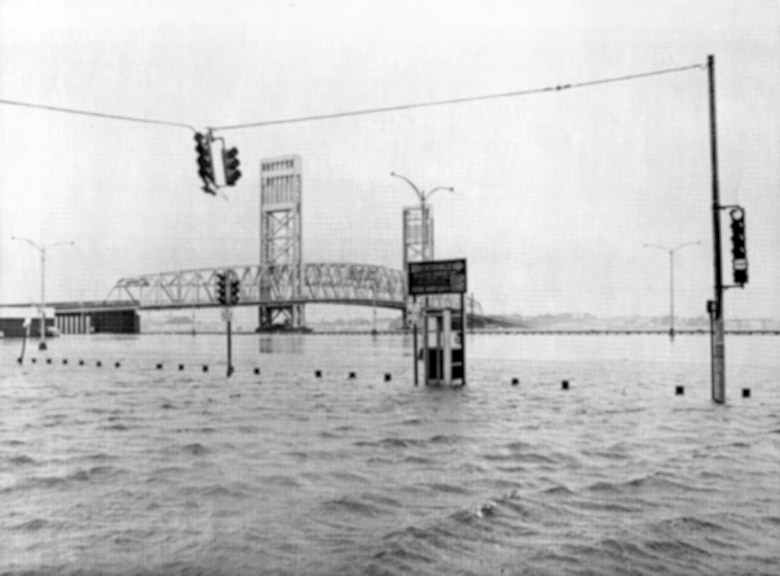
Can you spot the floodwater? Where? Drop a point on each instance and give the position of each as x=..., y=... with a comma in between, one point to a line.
x=135, y=469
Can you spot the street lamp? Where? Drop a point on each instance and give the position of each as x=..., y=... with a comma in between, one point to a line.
x=671, y=252
x=423, y=196
x=42, y=250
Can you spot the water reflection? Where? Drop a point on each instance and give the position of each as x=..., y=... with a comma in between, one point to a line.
x=281, y=344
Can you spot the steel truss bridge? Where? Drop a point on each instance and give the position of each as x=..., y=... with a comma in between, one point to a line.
x=275, y=285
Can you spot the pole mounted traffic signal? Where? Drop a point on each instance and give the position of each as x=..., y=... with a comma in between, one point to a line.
x=738, y=248
x=205, y=162
x=222, y=288
x=235, y=294
x=231, y=163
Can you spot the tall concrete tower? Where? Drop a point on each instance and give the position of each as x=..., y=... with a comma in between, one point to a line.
x=418, y=234
x=281, y=242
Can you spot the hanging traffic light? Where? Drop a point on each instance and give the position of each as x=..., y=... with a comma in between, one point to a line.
x=235, y=294
x=222, y=288
x=205, y=162
x=231, y=163
x=738, y=248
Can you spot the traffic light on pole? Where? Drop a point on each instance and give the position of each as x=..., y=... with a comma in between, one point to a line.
x=231, y=163
x=738, y=247
x=222, y=288
x=235, y=294
x=205, y=162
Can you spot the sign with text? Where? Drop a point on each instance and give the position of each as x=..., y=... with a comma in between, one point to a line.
x=437, y=277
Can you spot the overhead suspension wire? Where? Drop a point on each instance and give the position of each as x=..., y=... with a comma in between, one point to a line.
x=96, y=114
x=367, y=111
x=462, y=100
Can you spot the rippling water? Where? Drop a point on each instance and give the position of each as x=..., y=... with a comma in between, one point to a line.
x=139, y=470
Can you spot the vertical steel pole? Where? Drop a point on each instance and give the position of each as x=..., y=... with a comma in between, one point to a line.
x=471, y=322
x=671, y=293
x=439, y=320
x=414, y=344
x=718, y=335
x=42, y=344
x=422, y=229
x=426, y=356
x=229, y=350
x=446, y=346
x=24, y=341
x=463, y=333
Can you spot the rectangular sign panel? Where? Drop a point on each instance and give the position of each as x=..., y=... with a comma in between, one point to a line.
x=437, y=277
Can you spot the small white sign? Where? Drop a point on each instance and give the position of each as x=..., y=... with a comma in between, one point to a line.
x=414, y=312
x=227, y=314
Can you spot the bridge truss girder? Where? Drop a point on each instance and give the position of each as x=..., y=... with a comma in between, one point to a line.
x=275, y=286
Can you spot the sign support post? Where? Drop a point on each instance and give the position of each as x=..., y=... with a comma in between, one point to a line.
x=414, y=344
x=463, y=332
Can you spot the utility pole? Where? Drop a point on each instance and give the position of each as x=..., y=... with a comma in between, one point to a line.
x=715, y=307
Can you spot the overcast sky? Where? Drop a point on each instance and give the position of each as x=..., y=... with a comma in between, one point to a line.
x=555, y=193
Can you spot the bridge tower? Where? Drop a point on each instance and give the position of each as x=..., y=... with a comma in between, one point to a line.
x=418, y=234
x=418, y=238
x=280, y=241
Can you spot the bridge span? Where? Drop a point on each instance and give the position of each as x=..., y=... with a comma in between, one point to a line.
x=268, y=285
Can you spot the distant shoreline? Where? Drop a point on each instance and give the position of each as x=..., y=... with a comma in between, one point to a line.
x=488, y=332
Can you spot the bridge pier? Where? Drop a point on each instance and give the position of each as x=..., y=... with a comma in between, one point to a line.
x=273, y=317
x=74, y=323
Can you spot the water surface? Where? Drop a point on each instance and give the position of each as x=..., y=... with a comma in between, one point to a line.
x=140, y=470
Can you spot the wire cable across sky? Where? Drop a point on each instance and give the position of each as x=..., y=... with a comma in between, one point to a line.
x=95, y=114
x=463, y=100
x=364, y=112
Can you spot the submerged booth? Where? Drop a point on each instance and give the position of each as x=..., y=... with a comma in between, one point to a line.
x=443, y=350
x=443, y=347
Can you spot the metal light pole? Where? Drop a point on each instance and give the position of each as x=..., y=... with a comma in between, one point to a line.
x=42, y=250
x=426, y=254
x=671, y=252
x=715, y=306
x=423, y=196
x=373, y=293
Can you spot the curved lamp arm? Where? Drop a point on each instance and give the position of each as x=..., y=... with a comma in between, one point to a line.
x=681, y=246
x=30, y=242
x=421, y=195
x=664, y=248
x=672, y=250
x=429, y=194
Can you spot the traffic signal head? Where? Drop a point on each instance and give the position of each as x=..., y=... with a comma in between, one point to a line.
x=222, y=288
x=205, y=162
x=231, y=163
x=235, y=294
x=738, y=247
x=738, y=233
